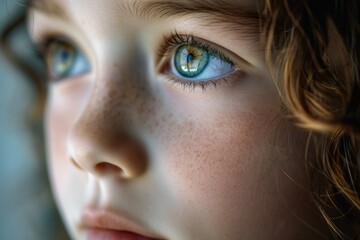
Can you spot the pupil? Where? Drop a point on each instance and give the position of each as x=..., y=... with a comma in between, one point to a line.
x=190, y=58
x=64, y=55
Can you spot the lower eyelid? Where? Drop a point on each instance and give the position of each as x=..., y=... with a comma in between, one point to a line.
x=226, y=80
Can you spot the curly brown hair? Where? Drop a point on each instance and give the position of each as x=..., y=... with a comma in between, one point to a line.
x=313, y=50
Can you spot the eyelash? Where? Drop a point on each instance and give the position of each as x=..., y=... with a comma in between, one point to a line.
x=172, y=42
x=41, y=44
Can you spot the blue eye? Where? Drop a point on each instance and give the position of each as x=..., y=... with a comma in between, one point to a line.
x=65, y=61
x=199, y=64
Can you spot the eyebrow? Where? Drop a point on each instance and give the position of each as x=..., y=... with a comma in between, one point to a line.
x=210, y=11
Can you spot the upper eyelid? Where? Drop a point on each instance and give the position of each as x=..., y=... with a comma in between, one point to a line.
x=42, y=42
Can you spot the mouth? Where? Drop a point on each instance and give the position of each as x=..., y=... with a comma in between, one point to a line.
x=105, y=224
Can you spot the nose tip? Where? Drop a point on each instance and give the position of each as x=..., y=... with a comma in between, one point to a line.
x=125, y=158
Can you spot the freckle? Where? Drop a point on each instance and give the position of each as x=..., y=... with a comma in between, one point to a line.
x=123, y=95
x=151, y=129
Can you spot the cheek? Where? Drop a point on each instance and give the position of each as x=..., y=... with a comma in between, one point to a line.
x=65, y=103
x=216, y=159
x=215, y=138
x=217, y=169
x=206, y=154
x=58, y=125
x=222, y=163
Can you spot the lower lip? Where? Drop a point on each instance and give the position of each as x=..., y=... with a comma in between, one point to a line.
x=100, y=234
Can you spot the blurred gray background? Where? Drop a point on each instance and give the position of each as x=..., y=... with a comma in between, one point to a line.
x=27, y=210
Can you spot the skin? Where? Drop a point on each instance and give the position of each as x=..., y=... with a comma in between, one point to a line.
x=187, y=164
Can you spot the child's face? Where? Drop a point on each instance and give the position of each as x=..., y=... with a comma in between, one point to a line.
x=137, y=128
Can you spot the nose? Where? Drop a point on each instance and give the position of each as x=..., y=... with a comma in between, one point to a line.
x=104, y=152
x=105, y=139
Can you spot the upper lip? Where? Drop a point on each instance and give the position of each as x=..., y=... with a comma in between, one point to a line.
x=108, y=219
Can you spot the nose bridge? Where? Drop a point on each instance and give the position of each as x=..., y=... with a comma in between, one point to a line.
x=102, y=135
x=120, y=89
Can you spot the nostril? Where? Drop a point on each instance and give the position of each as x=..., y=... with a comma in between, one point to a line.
x=105, y=168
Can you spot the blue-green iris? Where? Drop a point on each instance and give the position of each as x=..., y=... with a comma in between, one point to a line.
x=62, y=57
x=190, y=61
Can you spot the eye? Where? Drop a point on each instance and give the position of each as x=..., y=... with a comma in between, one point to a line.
x=197, y=63
x=64, y=60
